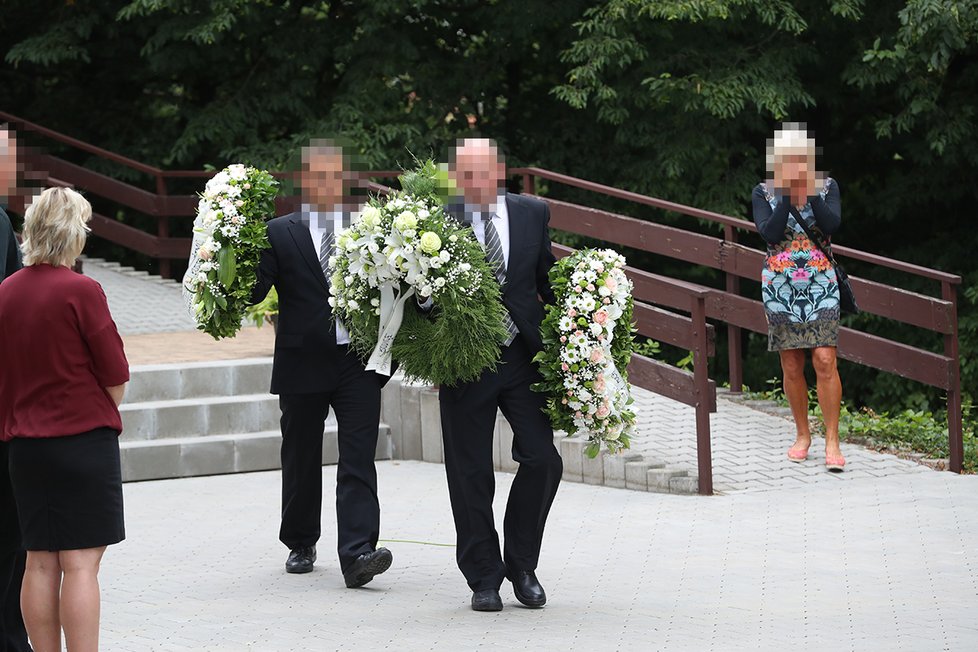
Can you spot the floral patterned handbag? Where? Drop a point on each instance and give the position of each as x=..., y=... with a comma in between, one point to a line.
x=847, y=298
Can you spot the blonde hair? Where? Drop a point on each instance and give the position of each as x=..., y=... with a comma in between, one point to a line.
x=56, y=227
x=791, y=139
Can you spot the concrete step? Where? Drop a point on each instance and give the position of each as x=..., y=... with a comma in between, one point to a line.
x=166, y=382
x=181, y=457
x=197, y=417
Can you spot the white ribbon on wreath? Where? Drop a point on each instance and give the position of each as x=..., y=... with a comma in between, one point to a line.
x=391, y=316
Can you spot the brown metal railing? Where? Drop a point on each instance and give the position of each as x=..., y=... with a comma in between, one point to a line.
x=736, y=261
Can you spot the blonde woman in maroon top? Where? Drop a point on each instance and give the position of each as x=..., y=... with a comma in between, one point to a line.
x=62, y=378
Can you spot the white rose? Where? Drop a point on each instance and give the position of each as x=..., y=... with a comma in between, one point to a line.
x=371, y=216
x=439, y=282
x=405, y=221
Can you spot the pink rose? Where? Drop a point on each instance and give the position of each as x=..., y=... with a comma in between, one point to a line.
x=590, y=287
x=599, y=377
x=572, y=313
x=603, y=411
x=578, y=289
x=597, y=355
x=600, y=269
x=611, y=284
x=599, y=385
x=600, y=317
x=563, y=339
x=564, y=401
x=606, y=301
x=578, y=415
x=204, y=254
x=564, y=366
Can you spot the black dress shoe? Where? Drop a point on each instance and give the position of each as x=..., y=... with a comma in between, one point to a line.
x=301, y=560
x=366, y=566
x=528, y=589
x=487, y=600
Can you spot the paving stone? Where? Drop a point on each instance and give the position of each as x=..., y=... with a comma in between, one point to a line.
x=572, y=452
x=505, y=432
x=432, y=446
x=614, y=468
x=684, y=485
x=636, y=475
x=593, y=468
x=659, y=479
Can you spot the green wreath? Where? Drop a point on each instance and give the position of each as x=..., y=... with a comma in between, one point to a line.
x=408, y=240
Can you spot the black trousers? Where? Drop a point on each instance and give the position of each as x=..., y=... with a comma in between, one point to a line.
x=468, y=415
x=355, y=399
x=13, y=636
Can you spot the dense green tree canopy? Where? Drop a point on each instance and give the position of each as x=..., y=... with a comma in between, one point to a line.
x=673, y=98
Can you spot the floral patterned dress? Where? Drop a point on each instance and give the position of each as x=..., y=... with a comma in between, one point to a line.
x=799, y=287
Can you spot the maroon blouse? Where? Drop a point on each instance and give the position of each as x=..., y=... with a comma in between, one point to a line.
x=59, y=350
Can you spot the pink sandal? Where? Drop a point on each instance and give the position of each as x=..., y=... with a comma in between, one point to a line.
x=835, y=462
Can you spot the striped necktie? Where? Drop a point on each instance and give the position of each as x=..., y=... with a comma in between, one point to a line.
x=325, y=251
x=494, y=254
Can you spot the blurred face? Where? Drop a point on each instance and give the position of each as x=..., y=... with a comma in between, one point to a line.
x=793, y=170
x=323, y=179
x=8, y=164
x=479, y=172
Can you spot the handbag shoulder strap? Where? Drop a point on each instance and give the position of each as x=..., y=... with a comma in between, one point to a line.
x=817, y=241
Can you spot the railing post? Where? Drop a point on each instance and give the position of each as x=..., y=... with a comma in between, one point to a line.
x=162, y=223
x=529, y=184
x=955, y=430
x=735, y=356
x=701, y=380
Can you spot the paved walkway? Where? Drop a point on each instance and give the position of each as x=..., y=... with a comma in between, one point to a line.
x=873, y=564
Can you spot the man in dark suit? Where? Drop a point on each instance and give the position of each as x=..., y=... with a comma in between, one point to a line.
x=514, y=232
x=315, y=369
x=13, y=635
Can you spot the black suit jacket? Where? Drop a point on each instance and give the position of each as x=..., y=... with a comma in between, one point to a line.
x=9, y=251
x=530, y=260
x=305, y=341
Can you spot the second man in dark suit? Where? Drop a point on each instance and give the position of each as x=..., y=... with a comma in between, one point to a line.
x=514, y=232
x=314, y=370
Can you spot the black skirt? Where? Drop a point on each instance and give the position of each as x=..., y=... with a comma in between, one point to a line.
x=68, y=490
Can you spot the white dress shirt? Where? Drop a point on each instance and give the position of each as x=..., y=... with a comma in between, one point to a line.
x=500, y=221
x=317, y=227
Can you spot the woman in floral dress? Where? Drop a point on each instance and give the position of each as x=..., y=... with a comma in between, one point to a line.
x=799, y=285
